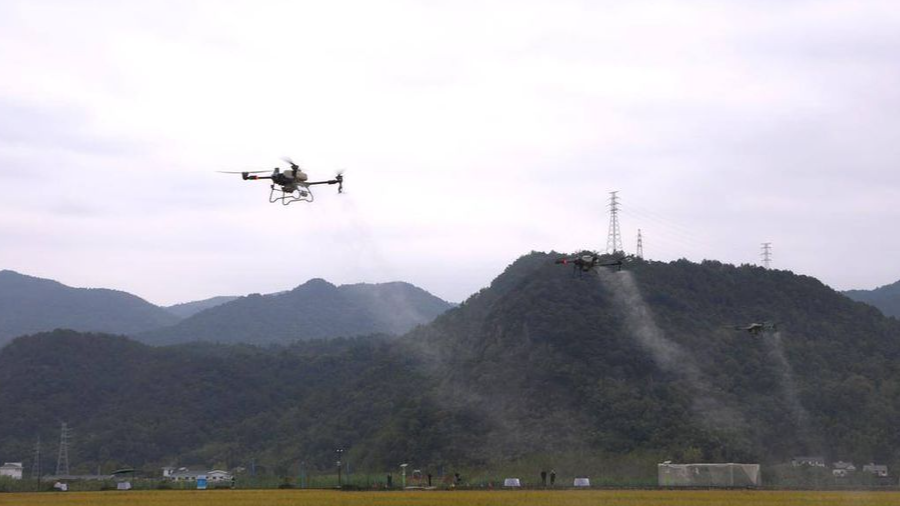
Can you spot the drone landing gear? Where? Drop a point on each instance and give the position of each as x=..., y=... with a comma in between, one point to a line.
x=299, y=195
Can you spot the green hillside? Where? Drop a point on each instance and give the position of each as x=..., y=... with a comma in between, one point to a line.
x=133, y=404
x=541, y=364
x=646, y=359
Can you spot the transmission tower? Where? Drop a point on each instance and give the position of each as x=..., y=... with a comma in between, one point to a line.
x=36, y=462
x=62, y=462
x=766, y=254
x=614, y=239
x=640, y=246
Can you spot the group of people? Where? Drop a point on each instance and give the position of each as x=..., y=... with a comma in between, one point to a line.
x=544, y=478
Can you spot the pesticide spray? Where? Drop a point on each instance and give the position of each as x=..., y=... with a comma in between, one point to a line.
x=668, y=355
x=798, y=413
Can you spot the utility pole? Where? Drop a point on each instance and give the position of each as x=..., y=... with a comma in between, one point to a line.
x=640, y=245
x=36, y=463
x=614, y=238
x=766, y=254
x=62, y=461
x=339, y=452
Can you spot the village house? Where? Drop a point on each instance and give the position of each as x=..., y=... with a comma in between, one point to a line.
x=186, y=474
x=842, y=469
x=877, y=470
x=808, y=461
x=11, y=470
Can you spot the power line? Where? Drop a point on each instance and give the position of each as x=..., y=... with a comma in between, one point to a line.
x=766, y=254
x=614, y=238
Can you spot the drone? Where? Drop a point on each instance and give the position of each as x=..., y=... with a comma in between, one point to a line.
x=589, y=260
x=290, y=185
x=757, y=328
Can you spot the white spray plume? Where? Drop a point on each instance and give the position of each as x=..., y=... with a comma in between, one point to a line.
x=668, y=354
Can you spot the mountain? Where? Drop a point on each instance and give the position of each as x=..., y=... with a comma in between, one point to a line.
x=186, y=309
x=29, y=304
x=647, y=359
x=316, y=309
x=615, y=370
x=886, y=298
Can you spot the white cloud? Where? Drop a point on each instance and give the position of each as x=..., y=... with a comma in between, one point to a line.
x=473, y=132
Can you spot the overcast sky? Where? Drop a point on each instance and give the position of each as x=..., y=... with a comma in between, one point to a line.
x=471, y=133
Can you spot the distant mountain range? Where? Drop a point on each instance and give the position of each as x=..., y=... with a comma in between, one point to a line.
x=186, y=309
x=314, y=310
x=29, y=305
x=886, y=298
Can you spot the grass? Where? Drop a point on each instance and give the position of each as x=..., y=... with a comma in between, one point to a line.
x=454, y=498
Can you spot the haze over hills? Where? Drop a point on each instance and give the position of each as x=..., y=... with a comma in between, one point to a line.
x=541, y=363
x=886, y=298
x=29, y=304
x=186, y=309
x=316, y=309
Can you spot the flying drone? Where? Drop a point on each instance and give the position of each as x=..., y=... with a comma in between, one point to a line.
x=757, y=328
x=290, y=185
x=589, y=260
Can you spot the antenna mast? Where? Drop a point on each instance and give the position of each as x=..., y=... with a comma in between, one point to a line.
x=766, y=254
x=640, y=245
x=62, y=461
x=614, y=239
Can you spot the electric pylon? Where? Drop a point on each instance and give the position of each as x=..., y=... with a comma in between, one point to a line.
x=614, y=239
x=62, y=461
x=36, y=462
x=640, y=246
x=766, y=254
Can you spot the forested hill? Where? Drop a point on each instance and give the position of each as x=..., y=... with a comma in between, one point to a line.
x=29, y=304
x=541, y=363
x=886, y=298
x=316, y=309
x=223, y=405
x=646, y=358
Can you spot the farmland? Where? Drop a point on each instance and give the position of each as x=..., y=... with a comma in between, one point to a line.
x=453, y=498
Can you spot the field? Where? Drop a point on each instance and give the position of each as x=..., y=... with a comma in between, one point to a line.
x=453, y=498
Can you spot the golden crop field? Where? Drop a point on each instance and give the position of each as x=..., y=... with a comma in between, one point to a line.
x=453, y=498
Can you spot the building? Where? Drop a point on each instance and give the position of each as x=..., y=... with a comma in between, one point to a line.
x=11, y=470
x=808, y=461
x=708, y=475
x=185, y=474
x=877, y=470
x=842, y=469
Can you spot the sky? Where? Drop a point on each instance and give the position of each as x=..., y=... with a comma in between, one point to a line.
x=470, y=134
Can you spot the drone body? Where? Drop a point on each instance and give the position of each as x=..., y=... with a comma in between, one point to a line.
x=590, y=260
x=292, y=185
x=757, y=328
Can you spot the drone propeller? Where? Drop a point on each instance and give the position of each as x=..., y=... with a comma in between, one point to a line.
x=241, y=172
x=290, y=162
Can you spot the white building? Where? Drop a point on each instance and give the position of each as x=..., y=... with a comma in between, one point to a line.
x=843, y=469
x=185, y=474
x=11, y=470
x=877, y=470
x=808, y=461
